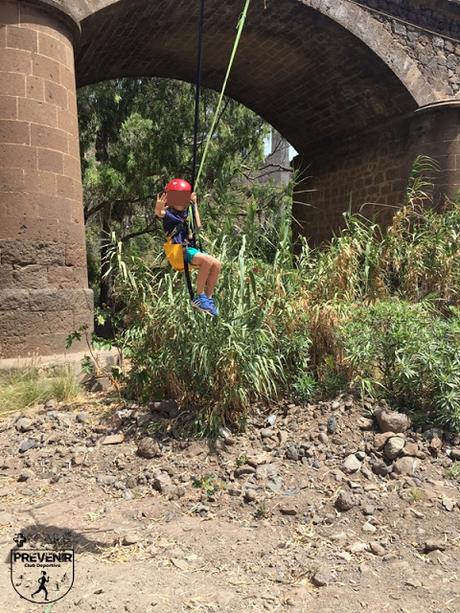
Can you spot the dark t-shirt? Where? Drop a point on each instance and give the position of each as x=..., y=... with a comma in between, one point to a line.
x=171, y=219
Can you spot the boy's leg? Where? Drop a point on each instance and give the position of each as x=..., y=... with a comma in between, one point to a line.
x=212, y=277
x=204, y=264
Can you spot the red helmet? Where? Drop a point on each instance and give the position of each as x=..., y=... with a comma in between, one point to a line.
x=178, y=185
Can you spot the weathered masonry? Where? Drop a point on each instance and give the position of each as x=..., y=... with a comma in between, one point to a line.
x=358, y=87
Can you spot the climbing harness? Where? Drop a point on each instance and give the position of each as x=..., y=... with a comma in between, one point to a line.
x=176, y=252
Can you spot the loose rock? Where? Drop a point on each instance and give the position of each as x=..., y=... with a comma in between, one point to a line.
x=392, y=421
x=148, y=448
x=292, y=453
x=26, y=444
x=331, y=425
x=82, y=418
x=288, y=509
x=282, y=436
x=78, y=458
x=250, y=496
x=266, y=433
x=368, y=527
x=345, y=501
x=165, y=406
x=113, y=439
x=376, y=548
x=435, y=444
x=131, y=539
x=24, y=424
x=106, y=479
x=322, y=577
x=365, y=423
x=101, y=384
x=405, y=466
x=358, y=547
x=434, y=545
x=25, y=474
x=448, y=503
x=351, y=464
x=244, y=470
x=380, y=440
x=380, y=468
x=394, y=447
x=411, y=449
x=428, y=435
x=455, y=454
x=161, y=481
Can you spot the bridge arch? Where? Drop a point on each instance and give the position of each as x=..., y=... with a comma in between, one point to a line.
x=314, y=69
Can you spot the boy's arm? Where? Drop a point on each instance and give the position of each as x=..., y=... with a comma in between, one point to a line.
x=161, y=206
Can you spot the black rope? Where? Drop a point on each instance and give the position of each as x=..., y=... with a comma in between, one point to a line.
x=196, y=125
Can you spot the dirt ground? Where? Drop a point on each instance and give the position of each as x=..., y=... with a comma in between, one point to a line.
x=305, y=511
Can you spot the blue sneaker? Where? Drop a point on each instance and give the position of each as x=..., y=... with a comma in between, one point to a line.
x=201, y=302
x=212, y=307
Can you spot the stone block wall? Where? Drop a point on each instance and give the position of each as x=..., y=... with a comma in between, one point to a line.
x=429, y=32
x=368, y=172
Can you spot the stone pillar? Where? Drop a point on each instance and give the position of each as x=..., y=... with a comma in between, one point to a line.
x=368, y=172
x=43, y=278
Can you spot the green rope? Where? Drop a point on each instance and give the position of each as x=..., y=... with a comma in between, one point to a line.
x=239, y=28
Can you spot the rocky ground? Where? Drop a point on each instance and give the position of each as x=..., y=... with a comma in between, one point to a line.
x=328, y=507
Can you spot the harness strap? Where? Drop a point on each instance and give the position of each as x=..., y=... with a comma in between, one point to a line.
x=188, y=280
x=178, y=228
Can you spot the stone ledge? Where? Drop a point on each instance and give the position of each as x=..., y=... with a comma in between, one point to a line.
x=71, y=360
x=60, y=11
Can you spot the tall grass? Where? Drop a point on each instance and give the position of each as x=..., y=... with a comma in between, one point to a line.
x=252, y=351
x=375, y=311
x=417, y=256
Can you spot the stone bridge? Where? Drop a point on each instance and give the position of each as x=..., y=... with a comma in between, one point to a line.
x=358, y=87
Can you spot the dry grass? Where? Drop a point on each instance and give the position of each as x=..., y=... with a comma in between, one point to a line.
x=20, y=389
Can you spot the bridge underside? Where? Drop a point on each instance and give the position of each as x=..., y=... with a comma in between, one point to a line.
x=302, y=72
x=327, y=75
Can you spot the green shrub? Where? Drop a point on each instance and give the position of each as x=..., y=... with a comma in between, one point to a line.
x=408, y=354
x=304, y=387
x=453, y=472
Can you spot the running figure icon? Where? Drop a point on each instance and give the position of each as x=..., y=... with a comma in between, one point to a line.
x=42, y=581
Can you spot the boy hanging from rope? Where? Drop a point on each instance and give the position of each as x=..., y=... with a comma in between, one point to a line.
x=172, y=207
